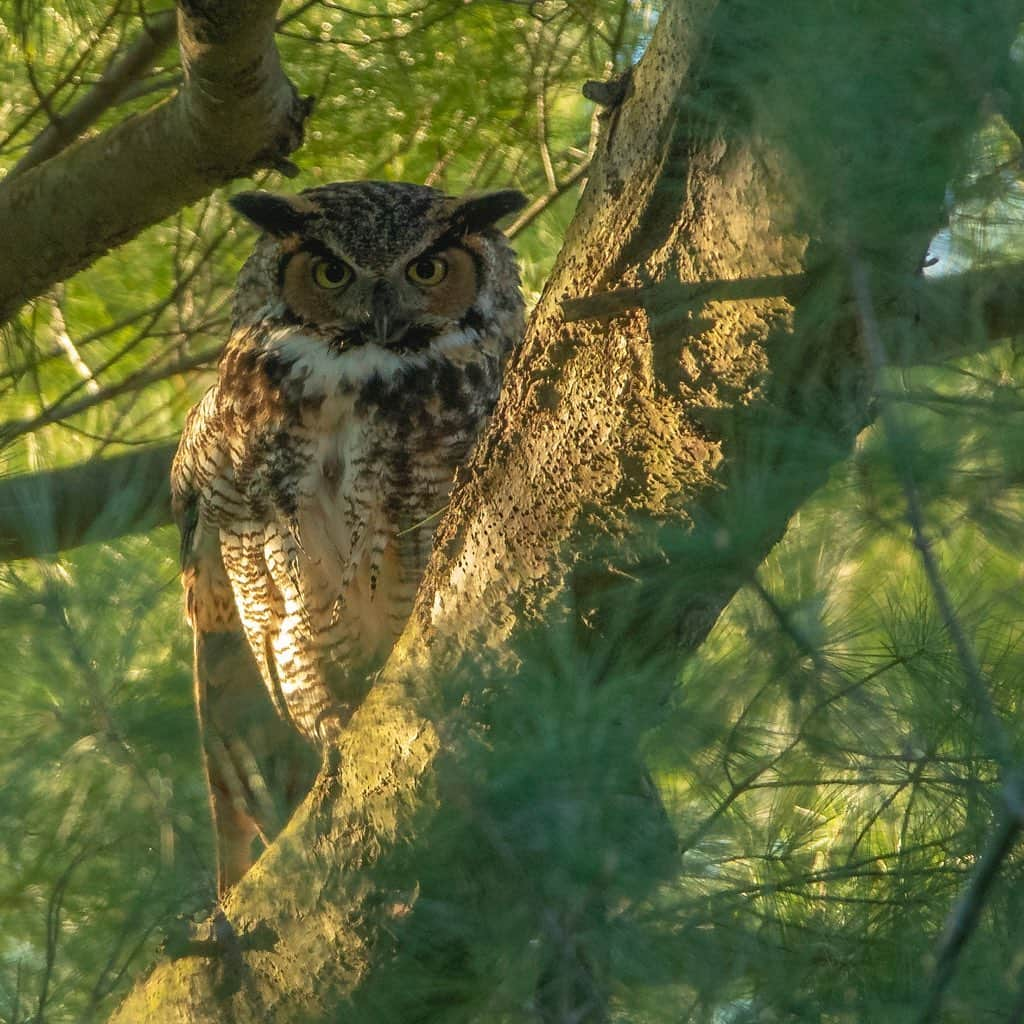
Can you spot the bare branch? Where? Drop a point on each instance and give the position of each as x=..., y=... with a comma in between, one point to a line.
x=236, y=112
x=602, y=305
x=954, y=314
x=538, y=206
x=67, y=346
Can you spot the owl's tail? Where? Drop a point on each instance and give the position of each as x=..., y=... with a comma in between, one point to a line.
x=257, y=768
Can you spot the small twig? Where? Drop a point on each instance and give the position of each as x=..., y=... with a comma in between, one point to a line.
x=151, y=314
x=538, y=206
x=436, y=174
x=542, y=138
x=749, y=781
x=44, y=100
x=60, y=331
x=423, y=522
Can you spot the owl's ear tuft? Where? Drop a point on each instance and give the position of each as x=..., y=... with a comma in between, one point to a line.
x=479, y=212
x=276, y=214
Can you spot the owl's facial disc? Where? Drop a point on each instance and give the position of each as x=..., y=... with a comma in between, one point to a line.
x=403, y=306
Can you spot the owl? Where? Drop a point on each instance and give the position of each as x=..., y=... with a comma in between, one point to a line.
x=371, y=326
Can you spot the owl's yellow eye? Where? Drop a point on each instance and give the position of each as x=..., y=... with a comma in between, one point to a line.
x=331, y=273
x=427, y=270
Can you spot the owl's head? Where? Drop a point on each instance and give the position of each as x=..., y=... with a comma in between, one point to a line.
x=384, y=263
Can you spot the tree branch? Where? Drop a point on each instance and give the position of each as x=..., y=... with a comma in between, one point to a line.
x=541, y=203
x=235, y=113
x=45, y=513
x=950, y=315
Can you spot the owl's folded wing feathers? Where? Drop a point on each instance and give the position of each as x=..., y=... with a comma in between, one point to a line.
x=253, y=768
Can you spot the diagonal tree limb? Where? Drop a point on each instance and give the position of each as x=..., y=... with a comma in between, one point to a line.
x=539, y=205
x=236, y=112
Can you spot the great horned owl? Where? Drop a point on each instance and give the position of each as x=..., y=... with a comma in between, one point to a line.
x=371, y=326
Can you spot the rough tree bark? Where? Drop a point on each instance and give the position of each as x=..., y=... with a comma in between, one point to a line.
x=653, y=410
x=236, y=112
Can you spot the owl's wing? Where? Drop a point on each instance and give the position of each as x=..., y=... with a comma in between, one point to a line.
x=256, y=767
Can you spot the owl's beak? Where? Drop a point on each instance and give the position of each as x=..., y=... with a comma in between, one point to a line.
x=374, y=317
x=385, y=326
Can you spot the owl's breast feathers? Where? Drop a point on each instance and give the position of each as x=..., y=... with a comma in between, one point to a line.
x=307, y=484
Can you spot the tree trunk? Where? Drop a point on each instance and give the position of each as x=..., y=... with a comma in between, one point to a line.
x=709, y=420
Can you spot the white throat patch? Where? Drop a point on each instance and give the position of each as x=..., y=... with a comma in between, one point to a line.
x=325, y=371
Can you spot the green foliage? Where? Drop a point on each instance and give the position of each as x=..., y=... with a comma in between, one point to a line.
x=822, y=761
x=543, y=860
x=103, y=823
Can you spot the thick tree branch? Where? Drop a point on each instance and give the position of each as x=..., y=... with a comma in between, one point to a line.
x=45, y=513
x=235, y=113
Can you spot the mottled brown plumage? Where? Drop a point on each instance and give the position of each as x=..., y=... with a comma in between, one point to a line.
x=372, y=323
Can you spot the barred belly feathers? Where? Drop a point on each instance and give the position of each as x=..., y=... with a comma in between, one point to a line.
x=371, y=327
